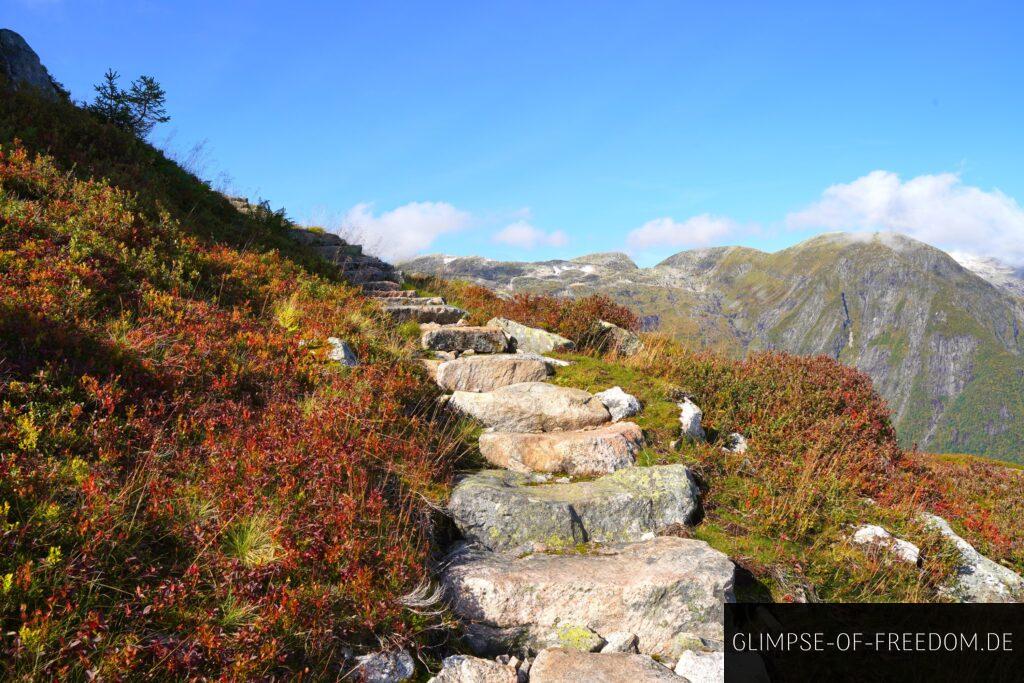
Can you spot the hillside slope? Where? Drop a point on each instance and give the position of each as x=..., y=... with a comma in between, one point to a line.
x=941, y=343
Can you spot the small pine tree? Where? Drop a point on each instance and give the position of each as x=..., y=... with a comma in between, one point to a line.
x=137, y=109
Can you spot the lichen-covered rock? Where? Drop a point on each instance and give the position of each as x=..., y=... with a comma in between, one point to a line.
x=609, y=337
x=442, y=315
x=392, y=666
x=656, y=589
x=464, y=669
x=619, y=404
x=581, y=453
x=459, y=338
x=690, y=417
x=702, y=667
x=978, y=578
x=576, y=637
x=340, y=352
x=874, y=536
x=532, y=407
x=531, y=339
x=561, y=665
x=486, y=372
x=504, y=511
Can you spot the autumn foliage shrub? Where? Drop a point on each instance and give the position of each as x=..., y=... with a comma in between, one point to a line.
x=573, y=318
x=188, y=488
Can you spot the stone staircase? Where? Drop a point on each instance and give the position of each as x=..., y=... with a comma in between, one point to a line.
x=567, y=550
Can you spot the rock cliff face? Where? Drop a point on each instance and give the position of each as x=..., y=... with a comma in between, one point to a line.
x=20, y=65
x=942, y=342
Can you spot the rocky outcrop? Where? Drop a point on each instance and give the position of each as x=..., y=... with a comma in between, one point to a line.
x=531, y=339
x=611, y=338
x=619, y=404
x=660, y=590
x=582, y=453
x=562, y=665
x=464, y=669
x=20, y=66
x=490, y=371
x=460, y=338
x=507, y=511
x=978, y=578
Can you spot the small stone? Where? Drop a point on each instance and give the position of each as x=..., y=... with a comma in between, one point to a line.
x=385, y=667
x=341, y=352
x=878, y=537
x=735, y=443
x=464, y=669
x=701, y=667
x=621, y=641
x=619, y=404
x=690, y=417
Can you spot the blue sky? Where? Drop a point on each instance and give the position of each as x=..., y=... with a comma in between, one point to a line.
x=526, y=130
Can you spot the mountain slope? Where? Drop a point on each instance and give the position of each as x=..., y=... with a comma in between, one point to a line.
x=940, y=342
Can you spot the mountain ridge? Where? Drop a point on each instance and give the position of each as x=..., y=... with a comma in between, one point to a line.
x=941, y=341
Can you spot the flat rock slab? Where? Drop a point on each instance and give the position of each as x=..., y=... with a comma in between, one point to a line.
x=505, y=512
x=411, y=301
x=459, y=338
x=560, y=665
x=443, y=315
x=531, y=339
x=532, y=407
x=463, y=669
x=487, y=372
x=393, y=293
x=381, y=286
x=581, y=453
x=663, y=590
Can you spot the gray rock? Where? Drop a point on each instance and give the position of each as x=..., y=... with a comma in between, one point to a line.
x=609, y=337
x=875, y=536
x=463, y=669
x=389, y=299
x=978, y=579
x=702, y=667
x=442, y=315
x=560, y=665
x=621, y=641
x=619, y=404
x=20, y=65
x=383, y=286
x=341, y=352
x=656, y=589
x=459, y=338
x=385, y=667
x=735, y=443
x=581, y=453
x=532, y=407
x=690, y=417
x=503, y=511
x=531, y=339
x=487, y=372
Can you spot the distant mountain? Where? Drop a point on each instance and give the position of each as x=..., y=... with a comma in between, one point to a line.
x=940, y=338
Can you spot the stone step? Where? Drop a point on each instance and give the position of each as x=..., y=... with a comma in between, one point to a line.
x=581, y=453
x=487, y=372
x=411, y=301
x=360, y=276
x=566, y=665
x=381, y=286
x=461, y=338
x=393, y=294
x=532, y=407
x=509, y=512
x=667, y=591
x=443, y=315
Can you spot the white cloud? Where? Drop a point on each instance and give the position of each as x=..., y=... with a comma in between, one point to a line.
x=698, y=231
x=938, y=209
x=525, y=236
x=404, y=232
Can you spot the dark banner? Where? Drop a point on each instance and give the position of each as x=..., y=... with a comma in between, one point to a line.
x=874, y=642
